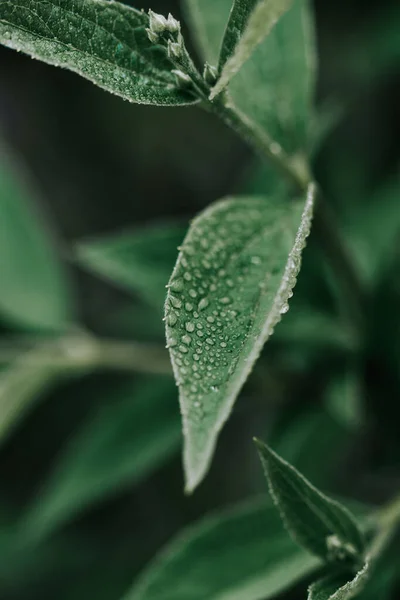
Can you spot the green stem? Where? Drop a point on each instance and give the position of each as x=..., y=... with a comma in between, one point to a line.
x=75, y=353
x=297, y=173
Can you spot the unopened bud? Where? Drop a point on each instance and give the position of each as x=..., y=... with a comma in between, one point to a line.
x=173, y=25
x=182, y=78
x=210, y=74
x=174, y=50
x=158, y=23
x=153, y=37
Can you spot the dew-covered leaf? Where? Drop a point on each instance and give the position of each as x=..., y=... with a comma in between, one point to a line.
x=135, y=430
x=33, y=285
x=241, y=554
x=231, y=284
x=140, y=261
x=315, y=521
x=105, y=42
x=249, y=23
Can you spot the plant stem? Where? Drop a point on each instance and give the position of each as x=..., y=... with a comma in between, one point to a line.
x=297, y=173
x=75, y=353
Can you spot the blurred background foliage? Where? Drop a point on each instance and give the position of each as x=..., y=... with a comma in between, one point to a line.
x=90, y=471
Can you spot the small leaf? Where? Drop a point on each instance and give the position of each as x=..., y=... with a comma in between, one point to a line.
x=105, y=42
x=140, y=261
x=338, y=586
x=232, y=282
x=242, y=554
x=33, y=291
x=249, y=23
x=135, y=431
x=320, y=524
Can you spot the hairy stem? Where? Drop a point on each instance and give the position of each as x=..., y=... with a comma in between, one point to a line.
x=297, y=173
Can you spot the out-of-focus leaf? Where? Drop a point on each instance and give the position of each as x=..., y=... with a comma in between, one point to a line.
x=231, y=285
x=105, y=42
x=322, y=525
x=136, y=431
x=140, y=261
x=33, y=287
x=307, y=327
x=374, y=229
x=21, y=383
x=208, y=19
x=344, y=399
x=242, y=554
x=249, y=23
x=309, y=441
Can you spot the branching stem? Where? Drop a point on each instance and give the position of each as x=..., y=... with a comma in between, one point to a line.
x=297, y=173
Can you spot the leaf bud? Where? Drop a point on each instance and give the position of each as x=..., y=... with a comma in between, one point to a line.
x=174, y=50
x=210, y=74
x=158, y=23
x=173, y=25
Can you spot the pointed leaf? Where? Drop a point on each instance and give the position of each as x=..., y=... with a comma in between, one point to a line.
x=320, y=524
x=249, y=23
x=140, y=261
x=33, y=290
x=234, y=276
x=338, y=586
x=242, y=554
x=135, y=431
x=105, y=42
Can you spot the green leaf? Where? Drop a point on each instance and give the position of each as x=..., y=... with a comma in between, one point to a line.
x=208, y=19
x=105, y=42
x=320, y=524
x=249, y=23
x=133, y=432
x=312, y=433
x=242, y=554
x=21, y=383
x=344, y=399
x=140, y=261
x=275, y=87
x=234, y=276
x=280, y=76
x=338, y=586
x=33, y=291
x=373, y=230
